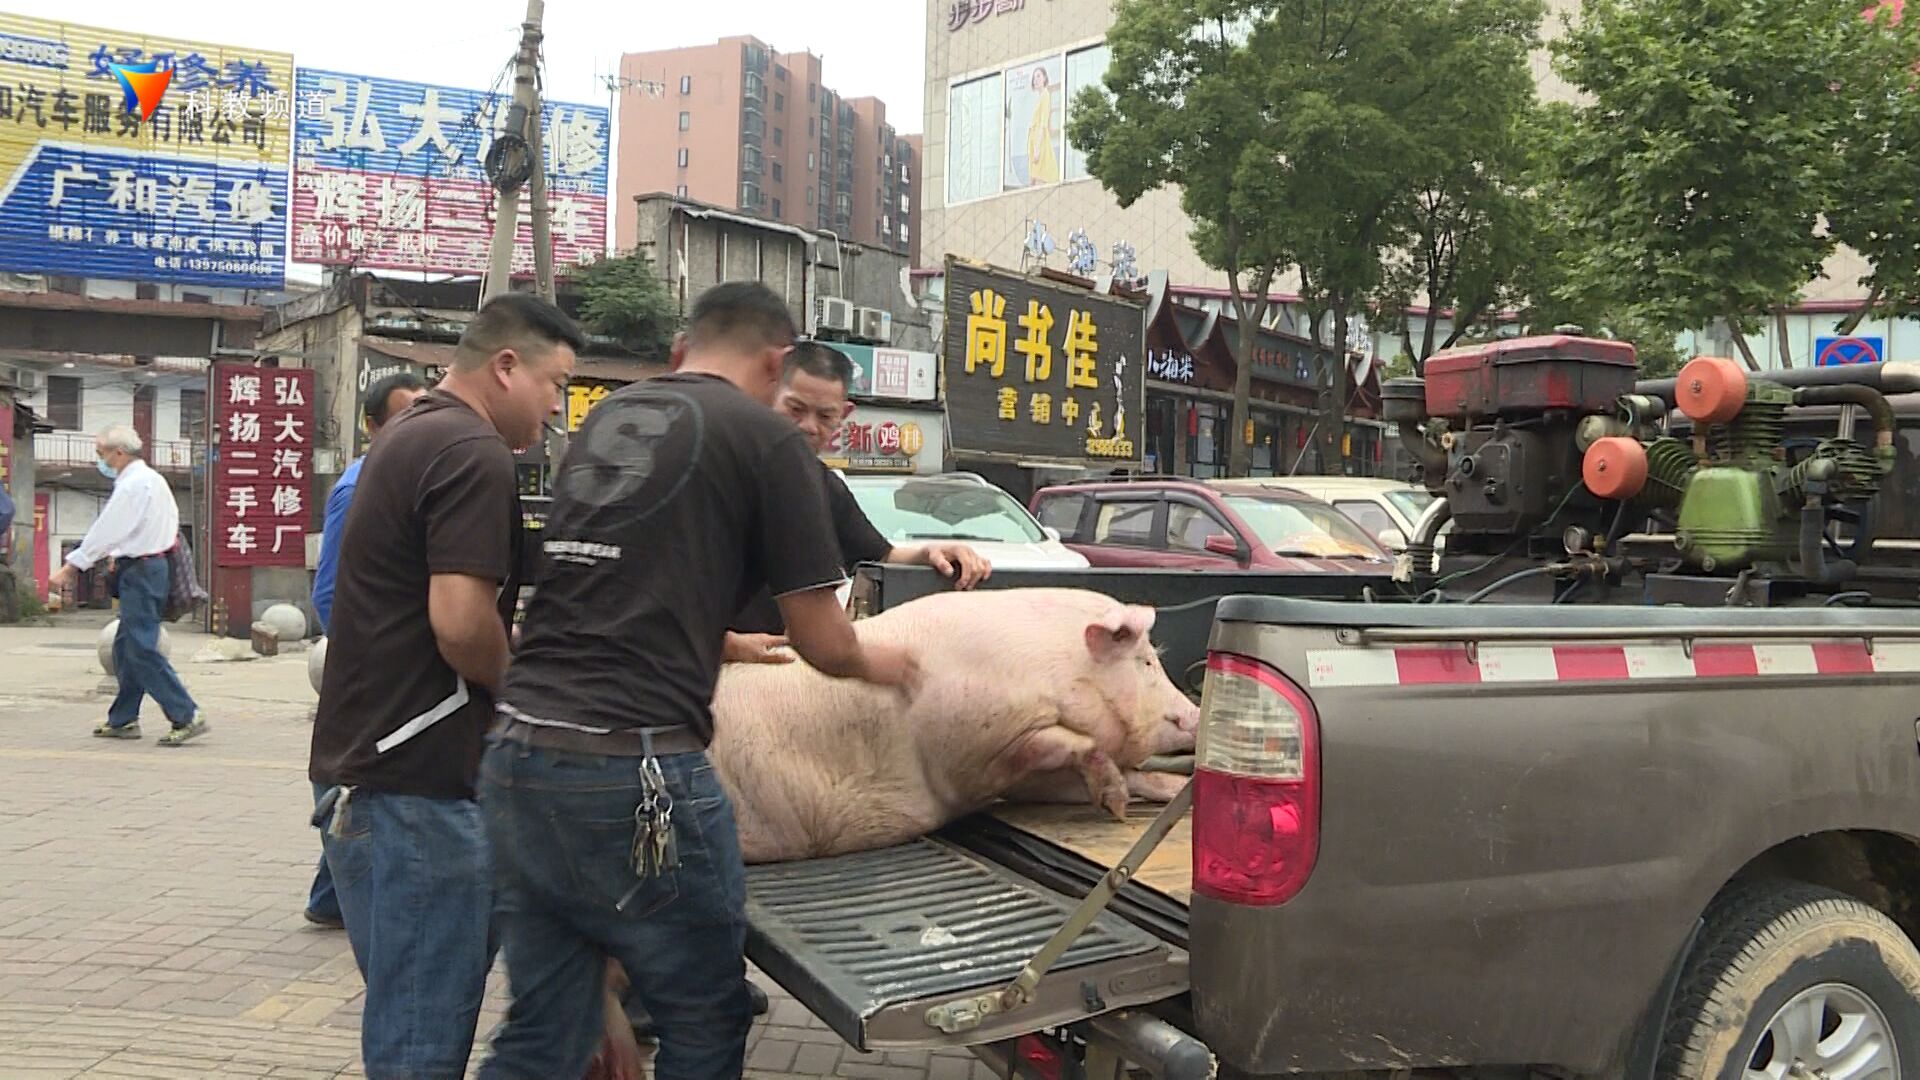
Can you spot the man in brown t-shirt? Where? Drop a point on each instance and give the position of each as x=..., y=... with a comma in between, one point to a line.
x=417, y=649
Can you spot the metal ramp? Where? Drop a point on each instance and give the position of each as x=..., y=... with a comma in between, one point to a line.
x=871, y=941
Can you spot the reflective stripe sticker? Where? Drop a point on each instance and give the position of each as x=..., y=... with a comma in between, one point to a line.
x=1456, y=665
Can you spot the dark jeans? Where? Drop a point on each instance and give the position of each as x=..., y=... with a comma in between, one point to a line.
x=414, y=887
x=136, y=649
x=561, y=827
x=321, y=900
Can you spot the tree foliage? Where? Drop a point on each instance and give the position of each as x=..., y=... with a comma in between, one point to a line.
x=625, y=298
x=1717, y=144
x=1300, y=134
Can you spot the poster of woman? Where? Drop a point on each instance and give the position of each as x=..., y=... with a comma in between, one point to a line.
x=1034, y=127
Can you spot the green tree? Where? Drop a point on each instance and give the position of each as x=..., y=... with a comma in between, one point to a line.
x=1468, y=229
x=1876, y=205
x=625, y=298
x=1298, y=134
x=1701, y=166
x=1182, y=106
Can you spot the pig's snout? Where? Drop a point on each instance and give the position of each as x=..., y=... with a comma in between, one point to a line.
x=1187, y=717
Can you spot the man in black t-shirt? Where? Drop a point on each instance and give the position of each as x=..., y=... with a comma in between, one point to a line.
x=678, y=499
x=813, y=393
x=417, y=648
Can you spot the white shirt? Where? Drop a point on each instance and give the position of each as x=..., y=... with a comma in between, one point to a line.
x=140, y=518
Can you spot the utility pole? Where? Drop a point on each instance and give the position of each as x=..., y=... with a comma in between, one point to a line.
x=512, y=160
x=542, y=219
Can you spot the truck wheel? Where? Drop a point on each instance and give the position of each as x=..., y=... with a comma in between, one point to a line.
x=1793, y=981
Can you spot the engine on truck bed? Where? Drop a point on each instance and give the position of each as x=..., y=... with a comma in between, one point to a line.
x=1564, y=478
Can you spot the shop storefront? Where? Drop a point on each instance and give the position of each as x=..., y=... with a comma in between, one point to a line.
x=885, y=439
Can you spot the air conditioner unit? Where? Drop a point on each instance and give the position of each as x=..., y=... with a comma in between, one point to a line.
x=873, y=324
x=833, y=313
x=28, y=380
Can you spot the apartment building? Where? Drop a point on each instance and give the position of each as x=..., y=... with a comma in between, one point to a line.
x=742, y=125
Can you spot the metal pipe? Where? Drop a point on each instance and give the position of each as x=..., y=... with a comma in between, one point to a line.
x=1165, y=1051
x=1432, y=459
x=1813, y=529
x=1866, y=397
x=1892, y=377
x=1426, y=532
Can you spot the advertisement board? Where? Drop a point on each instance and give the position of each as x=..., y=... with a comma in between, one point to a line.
x=1041, y=371
x=391, y=174
x=895, y=374
x=875, y=439
x=263, y=464
x=179, y=177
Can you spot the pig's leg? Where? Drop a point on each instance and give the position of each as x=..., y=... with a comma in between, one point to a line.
x=1155, y=786
x=1057, y=748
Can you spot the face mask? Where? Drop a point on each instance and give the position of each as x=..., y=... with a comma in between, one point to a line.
x=106, y=470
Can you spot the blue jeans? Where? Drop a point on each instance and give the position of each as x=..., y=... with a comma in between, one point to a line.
x=412, y=878
x=561, y=826
x=320, y=898
x=136, y=649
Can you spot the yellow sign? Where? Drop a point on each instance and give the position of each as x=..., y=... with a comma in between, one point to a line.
x=581, y=398
x=1346, y=445
x=1249, y=433
x=196, y=192
x=911, y=439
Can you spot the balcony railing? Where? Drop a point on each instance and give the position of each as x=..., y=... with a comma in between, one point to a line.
x=74, y=449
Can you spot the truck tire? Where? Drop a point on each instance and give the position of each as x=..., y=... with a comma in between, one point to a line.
x=1786, y=974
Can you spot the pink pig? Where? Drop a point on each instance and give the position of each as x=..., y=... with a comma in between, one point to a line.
x=1040, y=694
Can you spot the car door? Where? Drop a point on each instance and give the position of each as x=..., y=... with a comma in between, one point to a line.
x=1189, y=523
x=1122, y=531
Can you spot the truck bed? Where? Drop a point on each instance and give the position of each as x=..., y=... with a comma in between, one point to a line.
x=1095, y=836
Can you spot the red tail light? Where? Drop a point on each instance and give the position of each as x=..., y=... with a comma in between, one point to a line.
x=1040, y=1057
x=1256, y=790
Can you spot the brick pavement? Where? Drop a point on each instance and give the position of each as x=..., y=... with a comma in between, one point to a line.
x=150, y=899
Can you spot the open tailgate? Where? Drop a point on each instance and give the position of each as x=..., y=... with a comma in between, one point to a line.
x=870, y=942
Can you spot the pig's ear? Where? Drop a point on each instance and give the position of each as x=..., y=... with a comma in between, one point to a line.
x=1118, y=632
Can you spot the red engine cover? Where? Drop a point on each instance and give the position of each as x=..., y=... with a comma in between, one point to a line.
x=1530, y=374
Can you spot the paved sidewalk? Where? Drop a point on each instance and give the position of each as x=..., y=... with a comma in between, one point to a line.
x=150, y=898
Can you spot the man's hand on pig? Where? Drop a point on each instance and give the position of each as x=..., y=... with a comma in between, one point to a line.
x=965, y=566
x=756, y=649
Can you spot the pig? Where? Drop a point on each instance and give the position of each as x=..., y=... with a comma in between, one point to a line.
x=1040, y=694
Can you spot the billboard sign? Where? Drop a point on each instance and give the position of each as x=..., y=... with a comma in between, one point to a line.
x=263, y=469
x=882, y=440
x=1041, y=371
x=392, y=175
x=142, y=158
x=898, y=374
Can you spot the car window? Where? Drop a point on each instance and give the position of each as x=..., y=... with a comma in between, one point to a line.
x=1412, y=501
x=1189, y=526
x=933, y=509
x=1062, y=512
x=1369, y=516
x=1124, y=523
x=1294, y=527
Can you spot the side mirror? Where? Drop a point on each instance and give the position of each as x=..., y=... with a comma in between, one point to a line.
x=1052, y=533
x=1393, y=539
x=1222, y=544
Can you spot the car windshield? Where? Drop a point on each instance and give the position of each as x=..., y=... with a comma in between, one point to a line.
x=1410, y=501
x=1292, y=527
x=905, y=510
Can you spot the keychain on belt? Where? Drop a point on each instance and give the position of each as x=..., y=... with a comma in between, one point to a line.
x=655, y=851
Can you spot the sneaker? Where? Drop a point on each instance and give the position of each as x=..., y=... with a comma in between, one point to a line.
x=108, y=731
x=192, y=729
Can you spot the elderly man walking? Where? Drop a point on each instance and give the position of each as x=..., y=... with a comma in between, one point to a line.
x=136, y=529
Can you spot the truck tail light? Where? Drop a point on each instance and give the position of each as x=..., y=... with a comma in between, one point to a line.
x=1256, y=790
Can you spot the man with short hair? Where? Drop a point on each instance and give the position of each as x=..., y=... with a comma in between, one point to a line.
x=385, y=399
x=137, y=527
x=417, y=650
x=813, y=394
x=678, y=497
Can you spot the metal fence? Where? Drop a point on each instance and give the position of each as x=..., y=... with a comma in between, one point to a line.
x=76, y=448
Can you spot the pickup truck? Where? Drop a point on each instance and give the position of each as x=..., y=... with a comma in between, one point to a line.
x=1650, y=820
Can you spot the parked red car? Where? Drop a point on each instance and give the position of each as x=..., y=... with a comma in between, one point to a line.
x=1184, y=524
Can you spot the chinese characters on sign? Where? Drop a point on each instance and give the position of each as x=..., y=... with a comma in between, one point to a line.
x=192, y=194
x=262, y=477
x=898, y=374
x=964, y=13
x=1170, y=366
x=582, y=397
x=1040, y=370
x=392, y=175
x=881, y=440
